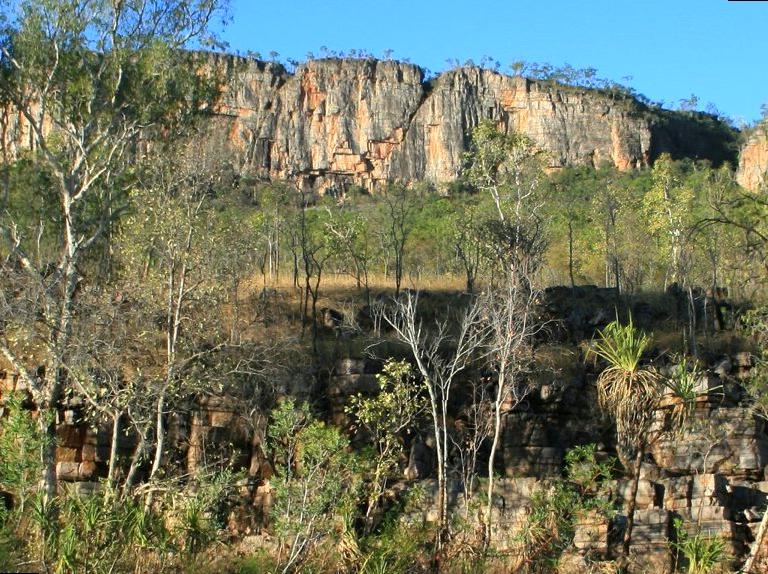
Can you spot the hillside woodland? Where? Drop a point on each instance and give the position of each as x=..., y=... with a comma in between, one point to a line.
x=350, y=318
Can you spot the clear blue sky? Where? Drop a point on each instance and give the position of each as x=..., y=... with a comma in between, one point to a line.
x=715, y=49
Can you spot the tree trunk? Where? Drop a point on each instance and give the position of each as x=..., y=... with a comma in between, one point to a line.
x=113, y=449
x=757, y=549
x=632, y=502
x=692, y=323
x=491, y=464
x=138, y=455
x=570, y=254
x=159, y=436
x=398, y=272
x=47, y=424
x=60, y=344
x=440, y=465
x=315, y=295
x=444, y=466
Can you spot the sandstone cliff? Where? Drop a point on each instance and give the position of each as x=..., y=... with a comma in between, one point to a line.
x=364, y=121
x=753, y=160
x=334, y=122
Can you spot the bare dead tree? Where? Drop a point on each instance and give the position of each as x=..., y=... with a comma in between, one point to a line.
x=440, y=356
x=473, y=427
x=510, y=314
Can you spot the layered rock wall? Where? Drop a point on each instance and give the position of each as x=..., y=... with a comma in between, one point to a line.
x=367, y=121
x=753, y=160
x=335, y=122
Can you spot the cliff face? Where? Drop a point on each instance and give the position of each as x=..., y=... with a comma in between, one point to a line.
x=753, y=160
x=335, y=122
x=371, y=121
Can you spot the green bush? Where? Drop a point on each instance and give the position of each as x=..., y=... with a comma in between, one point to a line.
x=316, y=481
x=556, y=507
x=701, y=553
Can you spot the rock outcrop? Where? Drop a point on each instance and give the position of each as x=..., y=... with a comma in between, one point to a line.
x=335, y=122
x=753, y=160
x=712, y=474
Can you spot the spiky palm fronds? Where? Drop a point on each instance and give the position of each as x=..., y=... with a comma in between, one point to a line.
x=621, y=346
x=625, y=389
x=682, y=386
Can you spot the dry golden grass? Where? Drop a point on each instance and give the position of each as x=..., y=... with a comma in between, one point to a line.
x=345, y=284
x=270, y=308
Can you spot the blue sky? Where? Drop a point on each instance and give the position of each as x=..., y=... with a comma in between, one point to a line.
x=715, y=49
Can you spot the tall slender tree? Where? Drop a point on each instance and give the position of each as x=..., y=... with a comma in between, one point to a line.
x=85, y=78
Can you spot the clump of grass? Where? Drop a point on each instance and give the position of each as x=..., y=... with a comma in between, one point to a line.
x=702, y=553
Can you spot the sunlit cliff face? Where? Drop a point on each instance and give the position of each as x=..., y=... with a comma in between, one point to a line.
x=753, y=160
x=367, y=122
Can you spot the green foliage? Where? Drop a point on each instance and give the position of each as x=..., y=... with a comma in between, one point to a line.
x=316, y=480
x=683, y=388
x=199, y=514
x=400, y=545
x=396, y=405
x=8, y=542
x=557, y=506
x=21, y=442
x=669, y=208
x=258, y=563
x=621, y=346
x=625, y=389
x=350, y=243
x=585, y=471
x=508, y=167
x=29, y=195
x=678, y=211
x=103, y=532
x=755, y=324
x=96, y=532
x=386, y=416
x=549, y=527
x=702, y=553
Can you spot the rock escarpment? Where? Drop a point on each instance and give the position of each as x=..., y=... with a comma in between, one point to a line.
x=336, y=122
x=753, y=160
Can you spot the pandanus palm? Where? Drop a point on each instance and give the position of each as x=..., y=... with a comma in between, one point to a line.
x=630, y=393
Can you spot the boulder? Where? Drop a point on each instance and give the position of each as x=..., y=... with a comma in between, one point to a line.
x=420, y=461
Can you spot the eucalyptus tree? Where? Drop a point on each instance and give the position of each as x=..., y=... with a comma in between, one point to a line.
x=668, y=206
x=85, y=77
x=509, y=168
x=745, y=214
x=349, y=236
x=385, y=418
x=466, y=235
x=316, y=248
x=399, y=205
x=172, y=245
